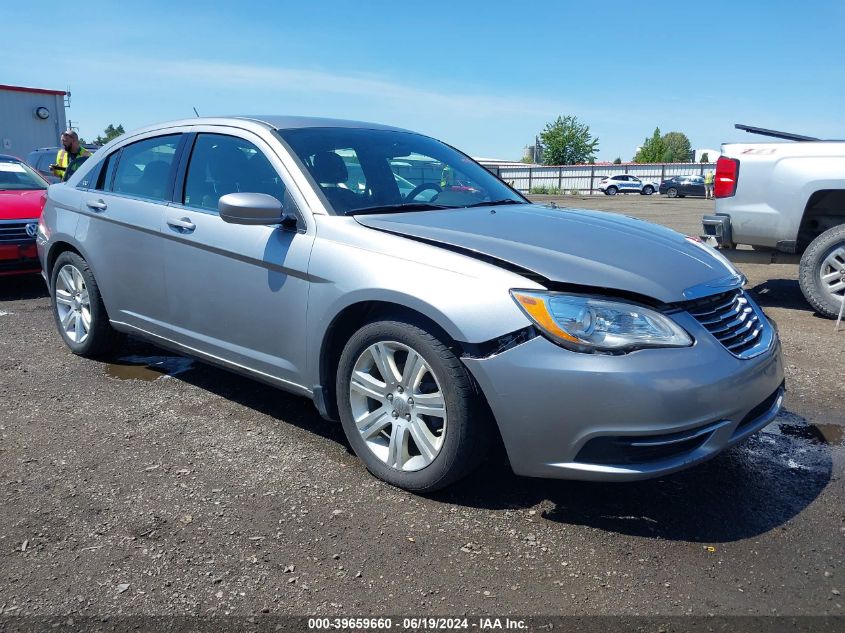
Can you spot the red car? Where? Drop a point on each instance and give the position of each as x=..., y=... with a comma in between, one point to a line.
x=22, y=195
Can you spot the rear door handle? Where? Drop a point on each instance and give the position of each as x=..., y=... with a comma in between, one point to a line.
x=183, y=225
x=97, y=205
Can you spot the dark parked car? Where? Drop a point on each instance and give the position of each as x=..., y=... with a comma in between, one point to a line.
x=681, y=186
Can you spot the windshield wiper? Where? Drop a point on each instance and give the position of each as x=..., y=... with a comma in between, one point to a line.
x=494, y=203
x=399, y=208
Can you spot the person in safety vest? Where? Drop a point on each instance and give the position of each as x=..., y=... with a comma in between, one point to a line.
x=69, y=157
x=447, y=177
x=708, y=185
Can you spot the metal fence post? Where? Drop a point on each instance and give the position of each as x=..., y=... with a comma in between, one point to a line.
x=529, y=180
x=662, y=172
x=592, y=177
x=559, y=179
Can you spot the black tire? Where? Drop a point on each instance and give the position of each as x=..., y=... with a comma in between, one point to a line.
x=467, y=432
x=672, y=192
x=102, y=338
x=809, y=274
x=611, y=191
x=648, y=190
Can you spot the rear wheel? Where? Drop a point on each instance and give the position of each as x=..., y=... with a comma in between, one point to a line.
x=78, y=308
x=611, y=191
x=648, y=190
x=408, y=407
x=822, y=272
x=672, y=192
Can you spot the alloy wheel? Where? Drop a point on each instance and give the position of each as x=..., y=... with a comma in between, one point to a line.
x=398, y=405
x=832, y=273
x=73, y=304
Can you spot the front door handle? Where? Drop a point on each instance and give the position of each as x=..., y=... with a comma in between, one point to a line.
x=97, y=205
x=183, y=225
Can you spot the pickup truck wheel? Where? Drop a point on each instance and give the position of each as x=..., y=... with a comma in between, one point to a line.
x=78, y=308
x=822, y=272
x=611, y=191
x=672, y=192
x=408, y=407
x=648, y=190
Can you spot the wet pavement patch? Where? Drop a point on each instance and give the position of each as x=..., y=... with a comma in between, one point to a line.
x=832, y=434
x=148, y=368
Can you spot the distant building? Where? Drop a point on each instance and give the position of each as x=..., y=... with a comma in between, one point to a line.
x=30, y=118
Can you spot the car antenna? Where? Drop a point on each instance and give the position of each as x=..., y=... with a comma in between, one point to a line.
x=197, y=113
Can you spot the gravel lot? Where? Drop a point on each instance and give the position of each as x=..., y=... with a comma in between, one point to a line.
x=157, y=485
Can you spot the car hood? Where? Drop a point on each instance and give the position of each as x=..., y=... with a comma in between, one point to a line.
x=574, y=246
x=21, y=205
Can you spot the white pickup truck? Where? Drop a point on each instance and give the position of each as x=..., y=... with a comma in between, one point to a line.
x=787, y=201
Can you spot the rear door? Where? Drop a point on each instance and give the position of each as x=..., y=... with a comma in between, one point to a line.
x=238, y=293
x=120, y=227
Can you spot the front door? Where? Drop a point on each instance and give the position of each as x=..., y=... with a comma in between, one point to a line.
x=238, y=293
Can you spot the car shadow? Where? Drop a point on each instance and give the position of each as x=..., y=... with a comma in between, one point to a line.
x=744, y=492
x=780, y=293
x=749, y=490
x=14, y=288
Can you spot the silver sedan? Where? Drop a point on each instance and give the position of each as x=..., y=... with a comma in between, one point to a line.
x=413, y=296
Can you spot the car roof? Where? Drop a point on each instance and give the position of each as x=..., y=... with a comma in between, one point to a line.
x=275, y=122
x=9, y=158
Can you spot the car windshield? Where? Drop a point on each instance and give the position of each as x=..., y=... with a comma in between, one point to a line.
x=383, y=171
x=15, y=175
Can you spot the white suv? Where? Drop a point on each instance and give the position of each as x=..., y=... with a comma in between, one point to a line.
x=626, y=184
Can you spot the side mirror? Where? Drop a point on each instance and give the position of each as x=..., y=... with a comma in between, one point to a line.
x=253, y=209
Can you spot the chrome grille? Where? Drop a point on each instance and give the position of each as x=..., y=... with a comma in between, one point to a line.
x=733, y=319
x=15, y=231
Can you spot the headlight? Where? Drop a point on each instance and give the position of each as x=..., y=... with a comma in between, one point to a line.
x=591, y=324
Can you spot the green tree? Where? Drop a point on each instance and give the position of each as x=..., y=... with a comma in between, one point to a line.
x=111, y=133
x=652, y=149
x=672, y=147
x=677, y=148
x=566, y=141
x=617, y=160
x=705, y=157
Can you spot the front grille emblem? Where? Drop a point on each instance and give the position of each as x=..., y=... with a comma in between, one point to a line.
x=32, y=229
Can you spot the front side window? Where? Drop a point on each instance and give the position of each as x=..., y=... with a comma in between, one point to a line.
x=380, y=171
x=17, y=176
x=223, y=164
x=144, y=168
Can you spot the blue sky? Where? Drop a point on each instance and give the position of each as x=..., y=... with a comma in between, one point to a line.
x=483, y=76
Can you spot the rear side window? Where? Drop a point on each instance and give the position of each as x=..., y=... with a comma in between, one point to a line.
x=223, y=164
x=145, y=168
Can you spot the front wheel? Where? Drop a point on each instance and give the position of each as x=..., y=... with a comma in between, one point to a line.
x=611, y=191
x=408, y=407
x=648, y=190
x=672, y=192
x=822, y=272
x=78, y=307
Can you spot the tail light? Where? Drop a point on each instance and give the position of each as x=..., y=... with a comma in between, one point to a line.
x=727, y=175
